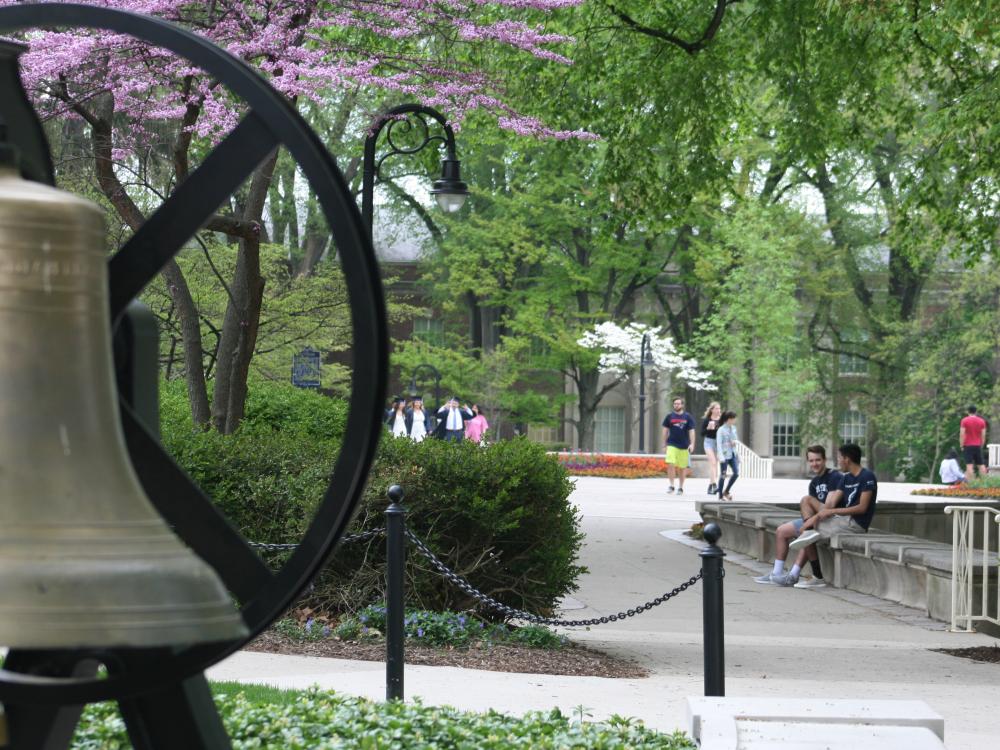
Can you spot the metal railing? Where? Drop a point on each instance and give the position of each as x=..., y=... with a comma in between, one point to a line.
x=966, y=558
x=753, y=466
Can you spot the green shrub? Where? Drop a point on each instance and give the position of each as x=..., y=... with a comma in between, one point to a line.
x=311, y=630
x=318, y=720
x=271, y=407
x=497, y=515
x=536, y=636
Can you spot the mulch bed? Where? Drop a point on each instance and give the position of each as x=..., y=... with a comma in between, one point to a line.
x=990, y=654
x=572, y=660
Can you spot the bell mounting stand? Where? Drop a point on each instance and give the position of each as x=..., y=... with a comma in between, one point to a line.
x=162, y=692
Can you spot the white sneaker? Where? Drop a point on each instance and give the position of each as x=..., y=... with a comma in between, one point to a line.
x=805, y=539
x=811, y=583
x=781, y=579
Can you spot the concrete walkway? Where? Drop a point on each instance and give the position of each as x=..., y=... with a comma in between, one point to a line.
x=779, y=642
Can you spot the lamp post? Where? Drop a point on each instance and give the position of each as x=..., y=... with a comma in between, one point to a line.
x=449, y=191
x=437, y=381
x=645, y=358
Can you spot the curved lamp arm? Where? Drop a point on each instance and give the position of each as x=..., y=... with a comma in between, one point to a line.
x=449, y=191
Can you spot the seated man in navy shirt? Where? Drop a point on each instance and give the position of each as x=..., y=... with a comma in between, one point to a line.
x=854, y=503
x=824, y=481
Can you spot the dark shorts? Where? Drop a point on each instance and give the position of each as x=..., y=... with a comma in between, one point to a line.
x=973, y=455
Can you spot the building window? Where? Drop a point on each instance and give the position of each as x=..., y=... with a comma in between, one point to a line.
x=850, y=363
x=429, y=330
x=785, y=435
x=609, y=433
x=543, y=434
x=853, y=427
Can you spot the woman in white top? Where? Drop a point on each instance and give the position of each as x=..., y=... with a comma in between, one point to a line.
x=418, y=420
x=951, y=472
x=396, y=418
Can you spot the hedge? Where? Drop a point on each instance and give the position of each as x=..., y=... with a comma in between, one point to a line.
x=498, y=515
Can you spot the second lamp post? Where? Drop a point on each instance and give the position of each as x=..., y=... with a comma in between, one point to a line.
x=449, y=191
x=645, y=358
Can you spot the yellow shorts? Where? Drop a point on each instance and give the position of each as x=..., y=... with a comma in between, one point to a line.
x=679, y=457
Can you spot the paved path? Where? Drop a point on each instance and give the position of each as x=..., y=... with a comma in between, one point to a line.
x=780, y=642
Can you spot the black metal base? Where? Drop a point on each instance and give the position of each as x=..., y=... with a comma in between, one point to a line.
x=177, y=716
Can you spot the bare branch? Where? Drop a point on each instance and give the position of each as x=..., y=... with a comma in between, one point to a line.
x=690, y=47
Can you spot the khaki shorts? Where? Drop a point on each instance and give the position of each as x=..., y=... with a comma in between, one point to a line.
x=679, y=457
x=834, y=525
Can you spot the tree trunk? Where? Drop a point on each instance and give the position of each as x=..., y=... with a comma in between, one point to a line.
x=187, y=314
x=315, y=241
x=241, y=321
x=588, y=399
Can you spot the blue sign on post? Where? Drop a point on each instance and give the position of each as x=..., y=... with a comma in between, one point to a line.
x=306, y=368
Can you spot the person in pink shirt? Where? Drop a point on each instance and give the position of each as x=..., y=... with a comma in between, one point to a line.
x=475, y=428
x=972, y=437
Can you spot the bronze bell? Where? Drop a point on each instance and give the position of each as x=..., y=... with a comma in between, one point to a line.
x=85, y=559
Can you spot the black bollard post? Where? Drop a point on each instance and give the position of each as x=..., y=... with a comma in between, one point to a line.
x=712, y=574
x=395, y=560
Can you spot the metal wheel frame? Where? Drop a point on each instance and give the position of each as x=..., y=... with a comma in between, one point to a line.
x=271, y=122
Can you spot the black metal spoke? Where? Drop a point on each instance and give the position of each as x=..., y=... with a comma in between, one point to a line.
x=192, y=515
x=187, y=209
x=273, y=121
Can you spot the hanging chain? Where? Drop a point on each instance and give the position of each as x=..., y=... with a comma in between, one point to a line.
x=463, y=585
x=362, y=537
x=459, y=582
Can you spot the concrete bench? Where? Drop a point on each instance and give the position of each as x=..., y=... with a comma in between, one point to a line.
x=897, y=567
x=742, y=723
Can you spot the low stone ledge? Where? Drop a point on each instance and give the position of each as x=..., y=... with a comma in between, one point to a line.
x=897, y=567
x=743, y=723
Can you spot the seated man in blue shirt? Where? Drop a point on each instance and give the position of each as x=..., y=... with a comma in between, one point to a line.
x=824, y=481
x=854, y=503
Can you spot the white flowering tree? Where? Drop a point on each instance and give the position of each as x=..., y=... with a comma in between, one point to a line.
x=619, y=348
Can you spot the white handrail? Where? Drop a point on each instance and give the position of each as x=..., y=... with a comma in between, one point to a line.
x=993, y=449
x=753, y=466
x=963, y=556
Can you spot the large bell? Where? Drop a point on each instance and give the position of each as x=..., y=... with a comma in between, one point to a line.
x=85, y=559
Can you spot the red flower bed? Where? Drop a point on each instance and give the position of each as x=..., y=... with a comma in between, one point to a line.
x=617, y=467
x=974, y=493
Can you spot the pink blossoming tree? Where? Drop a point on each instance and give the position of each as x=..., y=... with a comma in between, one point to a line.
x=132, y=100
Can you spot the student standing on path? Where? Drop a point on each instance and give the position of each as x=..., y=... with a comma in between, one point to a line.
x=726, y=438
x=475, y=428
x=418, y=421
x=396, y=417
x=709, y=425
x=678, y=437
x=453, y=418
x=972, y=437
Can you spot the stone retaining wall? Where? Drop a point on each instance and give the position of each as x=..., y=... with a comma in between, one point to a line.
x=899, y=567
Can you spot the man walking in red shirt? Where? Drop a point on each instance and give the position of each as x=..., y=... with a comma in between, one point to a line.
x=972, y=436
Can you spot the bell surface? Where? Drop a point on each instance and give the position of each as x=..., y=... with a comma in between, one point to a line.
x=85, y=559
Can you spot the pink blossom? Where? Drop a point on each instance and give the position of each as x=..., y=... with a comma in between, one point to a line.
x=306, y=48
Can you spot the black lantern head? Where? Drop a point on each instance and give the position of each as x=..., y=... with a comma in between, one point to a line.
x=450, y=192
